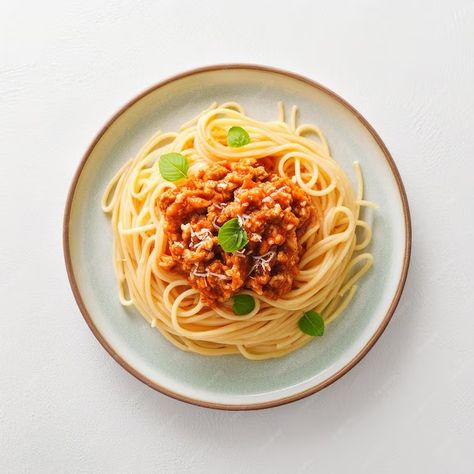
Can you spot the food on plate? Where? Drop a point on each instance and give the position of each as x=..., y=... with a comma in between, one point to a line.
x=238, y=236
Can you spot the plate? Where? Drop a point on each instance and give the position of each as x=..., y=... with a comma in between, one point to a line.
x=233, y=382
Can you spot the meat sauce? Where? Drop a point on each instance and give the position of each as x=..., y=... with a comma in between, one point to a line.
x=273, y=211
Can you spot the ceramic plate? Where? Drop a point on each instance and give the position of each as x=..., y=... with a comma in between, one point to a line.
x=232, y=382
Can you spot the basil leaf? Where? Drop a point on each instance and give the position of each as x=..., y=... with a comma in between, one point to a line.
x=243, y=304
x=312, y=323
x=173, y=166
x=237, y=137
x=231, y=236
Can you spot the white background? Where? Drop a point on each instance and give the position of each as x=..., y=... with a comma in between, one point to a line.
x=66, y=67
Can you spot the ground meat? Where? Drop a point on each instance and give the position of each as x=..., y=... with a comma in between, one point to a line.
x=273, y=210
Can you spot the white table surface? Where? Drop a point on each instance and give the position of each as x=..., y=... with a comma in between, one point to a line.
x=66, y=67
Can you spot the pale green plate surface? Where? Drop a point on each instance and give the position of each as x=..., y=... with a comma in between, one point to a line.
x=232, y=380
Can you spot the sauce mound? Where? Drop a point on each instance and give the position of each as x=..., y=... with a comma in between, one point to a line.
x=274, y=211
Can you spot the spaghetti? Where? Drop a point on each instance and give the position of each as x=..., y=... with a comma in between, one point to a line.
x=332, y=260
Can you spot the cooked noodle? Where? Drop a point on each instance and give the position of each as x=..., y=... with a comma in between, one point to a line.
x=331, y=263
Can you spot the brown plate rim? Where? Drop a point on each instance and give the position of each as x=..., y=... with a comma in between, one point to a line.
x=272, y=403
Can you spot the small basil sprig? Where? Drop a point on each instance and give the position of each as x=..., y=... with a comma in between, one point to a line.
x=232, y=236
x=243, y=304
x=173, y=166
x=312, y=323
x=237, y=137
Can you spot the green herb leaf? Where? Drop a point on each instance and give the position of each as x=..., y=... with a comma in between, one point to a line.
x=243, y=304
x=173, y=166
x=237, y=137
x=231, y=236
x=312, y=323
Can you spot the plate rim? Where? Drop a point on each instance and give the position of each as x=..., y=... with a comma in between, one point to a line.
x=238, y=406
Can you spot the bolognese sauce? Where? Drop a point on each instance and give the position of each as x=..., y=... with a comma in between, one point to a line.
x=273, y=211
